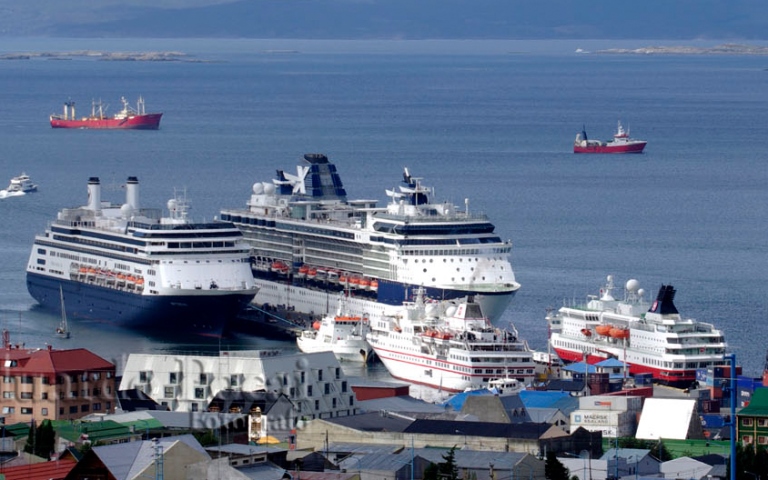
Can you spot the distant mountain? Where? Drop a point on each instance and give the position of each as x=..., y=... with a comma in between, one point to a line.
x=742, y=20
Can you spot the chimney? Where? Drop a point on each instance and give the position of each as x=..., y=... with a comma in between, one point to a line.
x=132, y=193
x=94, y=194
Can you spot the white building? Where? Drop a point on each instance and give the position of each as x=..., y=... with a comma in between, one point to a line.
x=314, y=382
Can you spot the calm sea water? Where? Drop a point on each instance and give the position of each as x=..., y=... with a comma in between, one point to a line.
x=489, y=121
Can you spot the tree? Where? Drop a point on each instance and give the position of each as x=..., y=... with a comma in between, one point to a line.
x=554, y=469
x=446, y=470
x=41, y=440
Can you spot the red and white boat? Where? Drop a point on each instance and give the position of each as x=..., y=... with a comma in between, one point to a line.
x=127, y=118
x=621, y=143
x=650, y=338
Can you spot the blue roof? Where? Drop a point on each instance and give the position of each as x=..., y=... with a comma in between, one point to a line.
x=541, y=399
x=580, y=368
x=456, y=402
x=610, y=363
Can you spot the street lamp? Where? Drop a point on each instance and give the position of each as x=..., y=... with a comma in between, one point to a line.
x=459, y=432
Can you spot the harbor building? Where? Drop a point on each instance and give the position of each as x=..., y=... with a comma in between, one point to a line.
x=49, y=384
x=314, y=382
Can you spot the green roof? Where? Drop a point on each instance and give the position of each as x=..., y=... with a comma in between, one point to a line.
x=758, y=405
x=681, y=448
x=95, y=430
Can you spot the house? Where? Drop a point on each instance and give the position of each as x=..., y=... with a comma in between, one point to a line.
x=685, y=467
x=314, y=382
x=271, y=413
x=752, y=420
x=50, y=384
x=631, y=462
x=140, y=459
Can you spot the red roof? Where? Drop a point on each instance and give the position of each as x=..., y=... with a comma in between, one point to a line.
x=51, y=361
x=54, y=470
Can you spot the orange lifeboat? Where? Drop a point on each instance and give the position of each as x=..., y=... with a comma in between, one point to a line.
x=365, y=283
x=619, y=333
x=354, y=281
x=279, y=267
x=312, y=272
x=604, y=330
x=303, y=270
x=316, y=324
x=374, y=285
x=586, y=332
x=347, y=319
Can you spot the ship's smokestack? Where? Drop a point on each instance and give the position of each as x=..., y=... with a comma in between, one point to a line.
x=132, y=193
x=94, y=194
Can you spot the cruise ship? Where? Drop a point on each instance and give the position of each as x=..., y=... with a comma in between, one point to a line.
x=131, y=267
x=649, y=337
x=309, y=242
x=450, y=346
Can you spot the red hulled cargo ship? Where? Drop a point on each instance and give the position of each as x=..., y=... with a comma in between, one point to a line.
x=127, y=118
x=621, y=143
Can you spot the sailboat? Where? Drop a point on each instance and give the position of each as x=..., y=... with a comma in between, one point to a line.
x=62, y=331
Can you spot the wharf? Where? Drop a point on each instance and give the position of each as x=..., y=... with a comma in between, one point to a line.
x=271, y=322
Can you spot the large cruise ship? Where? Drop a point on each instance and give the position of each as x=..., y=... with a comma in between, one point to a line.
x=450, y=346
x=132, y=267
x=309, y=242
x=649, y=337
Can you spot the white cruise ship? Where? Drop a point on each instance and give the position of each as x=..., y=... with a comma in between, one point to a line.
x=450, y=346
x=650, y=338
x=130, y=266
x=309, y=242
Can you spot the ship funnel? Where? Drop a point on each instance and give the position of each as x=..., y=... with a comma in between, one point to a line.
x=94, y=194
x=664, y=304
x=132, y=193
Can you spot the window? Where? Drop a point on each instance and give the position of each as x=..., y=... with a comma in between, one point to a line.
x=338, y=373
x=26, y=410
x=9, y=395
x=173, y=378
x=143, y=376
x=234, y=381
x=344, y=386
x=327, y=388
x=762, y=422
x=746, y=439
x=85, y=408
x=26, y=379
x=44, y=396
x=26, y=395
x=73, y=409
x=195, y=407
x=309, y=390
x=199, y=392
x=747, y=422
x=168, y=393
x=97, y=407
x=7, y=379
x=317, y=404
x=9, y=409
x=320, y=375
x=203, y=379
x=334, y=402
x=762, y=440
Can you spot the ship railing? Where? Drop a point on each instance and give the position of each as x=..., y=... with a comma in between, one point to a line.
x=458, y=217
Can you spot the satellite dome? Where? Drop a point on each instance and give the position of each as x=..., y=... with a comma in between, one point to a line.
x=126, y=210
x=450, y=311
x=641, y=292
x=430, y=309
x=172, y=204
x=258, y=188
x=632, y=285
x=269, y=189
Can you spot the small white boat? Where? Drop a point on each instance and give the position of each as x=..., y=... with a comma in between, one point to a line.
x=343, y=334
x=19, y=186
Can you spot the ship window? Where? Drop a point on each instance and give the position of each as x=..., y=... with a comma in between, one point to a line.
x=41, y=261
x=41, y=251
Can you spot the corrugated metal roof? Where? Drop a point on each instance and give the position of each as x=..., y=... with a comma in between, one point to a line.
x=402, y=404
x=472, y=459
x=39, y=471
x=542, y=399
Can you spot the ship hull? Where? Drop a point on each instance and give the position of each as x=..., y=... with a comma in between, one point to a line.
x=185, y=314
x=150, y=121
x=634, y=147
x=346, y=351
